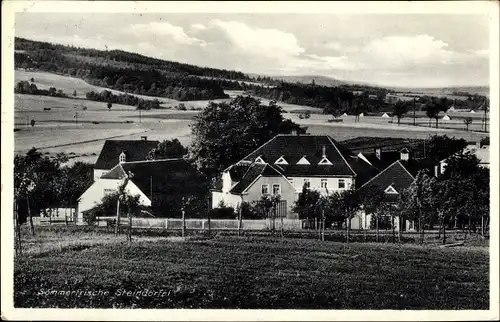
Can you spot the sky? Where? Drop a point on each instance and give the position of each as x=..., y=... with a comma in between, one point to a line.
x=409, y=50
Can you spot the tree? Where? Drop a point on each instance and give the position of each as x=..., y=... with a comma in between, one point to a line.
x=344, y=204
x=418, y=201
x=467, y=121
x=306, y=205
x=400, y=109
x=439, y=147
x=223, y=133
x=371, y=199
x=32, y=122
x=432, y=111
x=167, y=149
x=109, y=105
x=74, y=93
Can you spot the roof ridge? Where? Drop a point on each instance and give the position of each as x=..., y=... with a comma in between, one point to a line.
x=341, y=155
x=160, y=160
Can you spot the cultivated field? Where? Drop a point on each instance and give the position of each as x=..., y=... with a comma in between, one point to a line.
x=246, y=272
x=79, y=127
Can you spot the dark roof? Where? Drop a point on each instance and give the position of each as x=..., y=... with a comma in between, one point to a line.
x=293, y=147
x=135, y=150
x=170, y=176
x=395, y=175
x=252, y=172
x=364, y=171
x=386, y=158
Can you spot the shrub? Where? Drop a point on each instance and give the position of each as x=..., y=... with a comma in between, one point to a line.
x=90, y=217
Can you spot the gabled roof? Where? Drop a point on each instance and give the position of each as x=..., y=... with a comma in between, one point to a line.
x=135, y=150
x=169, y=176
x=252, y=173
x=395, y=175
x=294, y=147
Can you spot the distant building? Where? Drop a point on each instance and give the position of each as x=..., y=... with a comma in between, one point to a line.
x=385, y=115
x=117, y=151
x=481, y=152
x=446, y=117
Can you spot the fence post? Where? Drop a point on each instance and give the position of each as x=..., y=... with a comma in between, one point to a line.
x=117, y=215
x=183, y=219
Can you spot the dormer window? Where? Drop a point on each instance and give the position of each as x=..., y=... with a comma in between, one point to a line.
x=303, y=160
x=325, y=161
x=122, y=157
x=390, y=190
x=281, y=160
x=259, y=160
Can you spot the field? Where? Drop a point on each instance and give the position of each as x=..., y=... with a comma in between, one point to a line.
x=247, y=272
x=79, y=127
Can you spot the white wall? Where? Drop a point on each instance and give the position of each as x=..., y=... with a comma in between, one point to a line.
x=230, y=200
x=98, y=173
x=94, y=194
x=315, y=183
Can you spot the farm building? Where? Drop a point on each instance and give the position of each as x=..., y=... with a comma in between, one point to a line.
x=160, y=184
x=392, y=180
x=345, y=114
x=361, y=114
x=282, y=166
x=117, y=151
x=472, y=111
x=446, y=117
x=385, y=115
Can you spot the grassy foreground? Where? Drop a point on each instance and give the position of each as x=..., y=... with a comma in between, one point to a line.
x=252, y=272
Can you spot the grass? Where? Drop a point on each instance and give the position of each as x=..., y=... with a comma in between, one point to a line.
x=251, y=273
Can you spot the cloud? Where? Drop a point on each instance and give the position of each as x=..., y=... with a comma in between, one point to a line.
x=397, y=52
x=338, y=47
x=156, y=29
x=198, y=26
x=262, y=42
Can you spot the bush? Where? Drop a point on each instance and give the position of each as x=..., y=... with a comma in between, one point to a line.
x=90, y=217
x=222, y=213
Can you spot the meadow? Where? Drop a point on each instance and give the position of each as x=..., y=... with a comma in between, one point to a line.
x=79, y=127
x=246, y=272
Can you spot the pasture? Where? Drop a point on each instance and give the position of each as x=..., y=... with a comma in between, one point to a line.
x=79, y=127
x=245, y=272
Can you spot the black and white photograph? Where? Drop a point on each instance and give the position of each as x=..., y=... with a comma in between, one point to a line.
x=250, y=157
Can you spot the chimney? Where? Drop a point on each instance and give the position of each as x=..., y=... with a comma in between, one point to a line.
x=144, y=138
x=378, y=153
x=324, y=151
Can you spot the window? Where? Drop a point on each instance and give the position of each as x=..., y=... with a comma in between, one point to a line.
x=324, y=183
x=307, y=183
x=259, y=160
x=276, y=189
x=265, y=189
x=390, y=190
x=281, y=160
x=341, y=183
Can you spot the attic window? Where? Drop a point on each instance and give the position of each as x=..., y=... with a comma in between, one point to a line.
x=281, y=160
x=303, y=160
x=390, y=190
x=259, y=160
x=325, y=161
x=122, y=157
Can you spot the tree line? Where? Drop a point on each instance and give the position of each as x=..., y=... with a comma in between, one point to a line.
x=25, y=87
x=124, y=99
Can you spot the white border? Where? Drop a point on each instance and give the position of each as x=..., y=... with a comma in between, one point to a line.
x=428, y=7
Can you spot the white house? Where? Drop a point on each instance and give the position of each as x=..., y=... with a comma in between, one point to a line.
x=385, y=115
x=481, y=152
x=282, y=166
x=153, y=181
x=446, y=117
